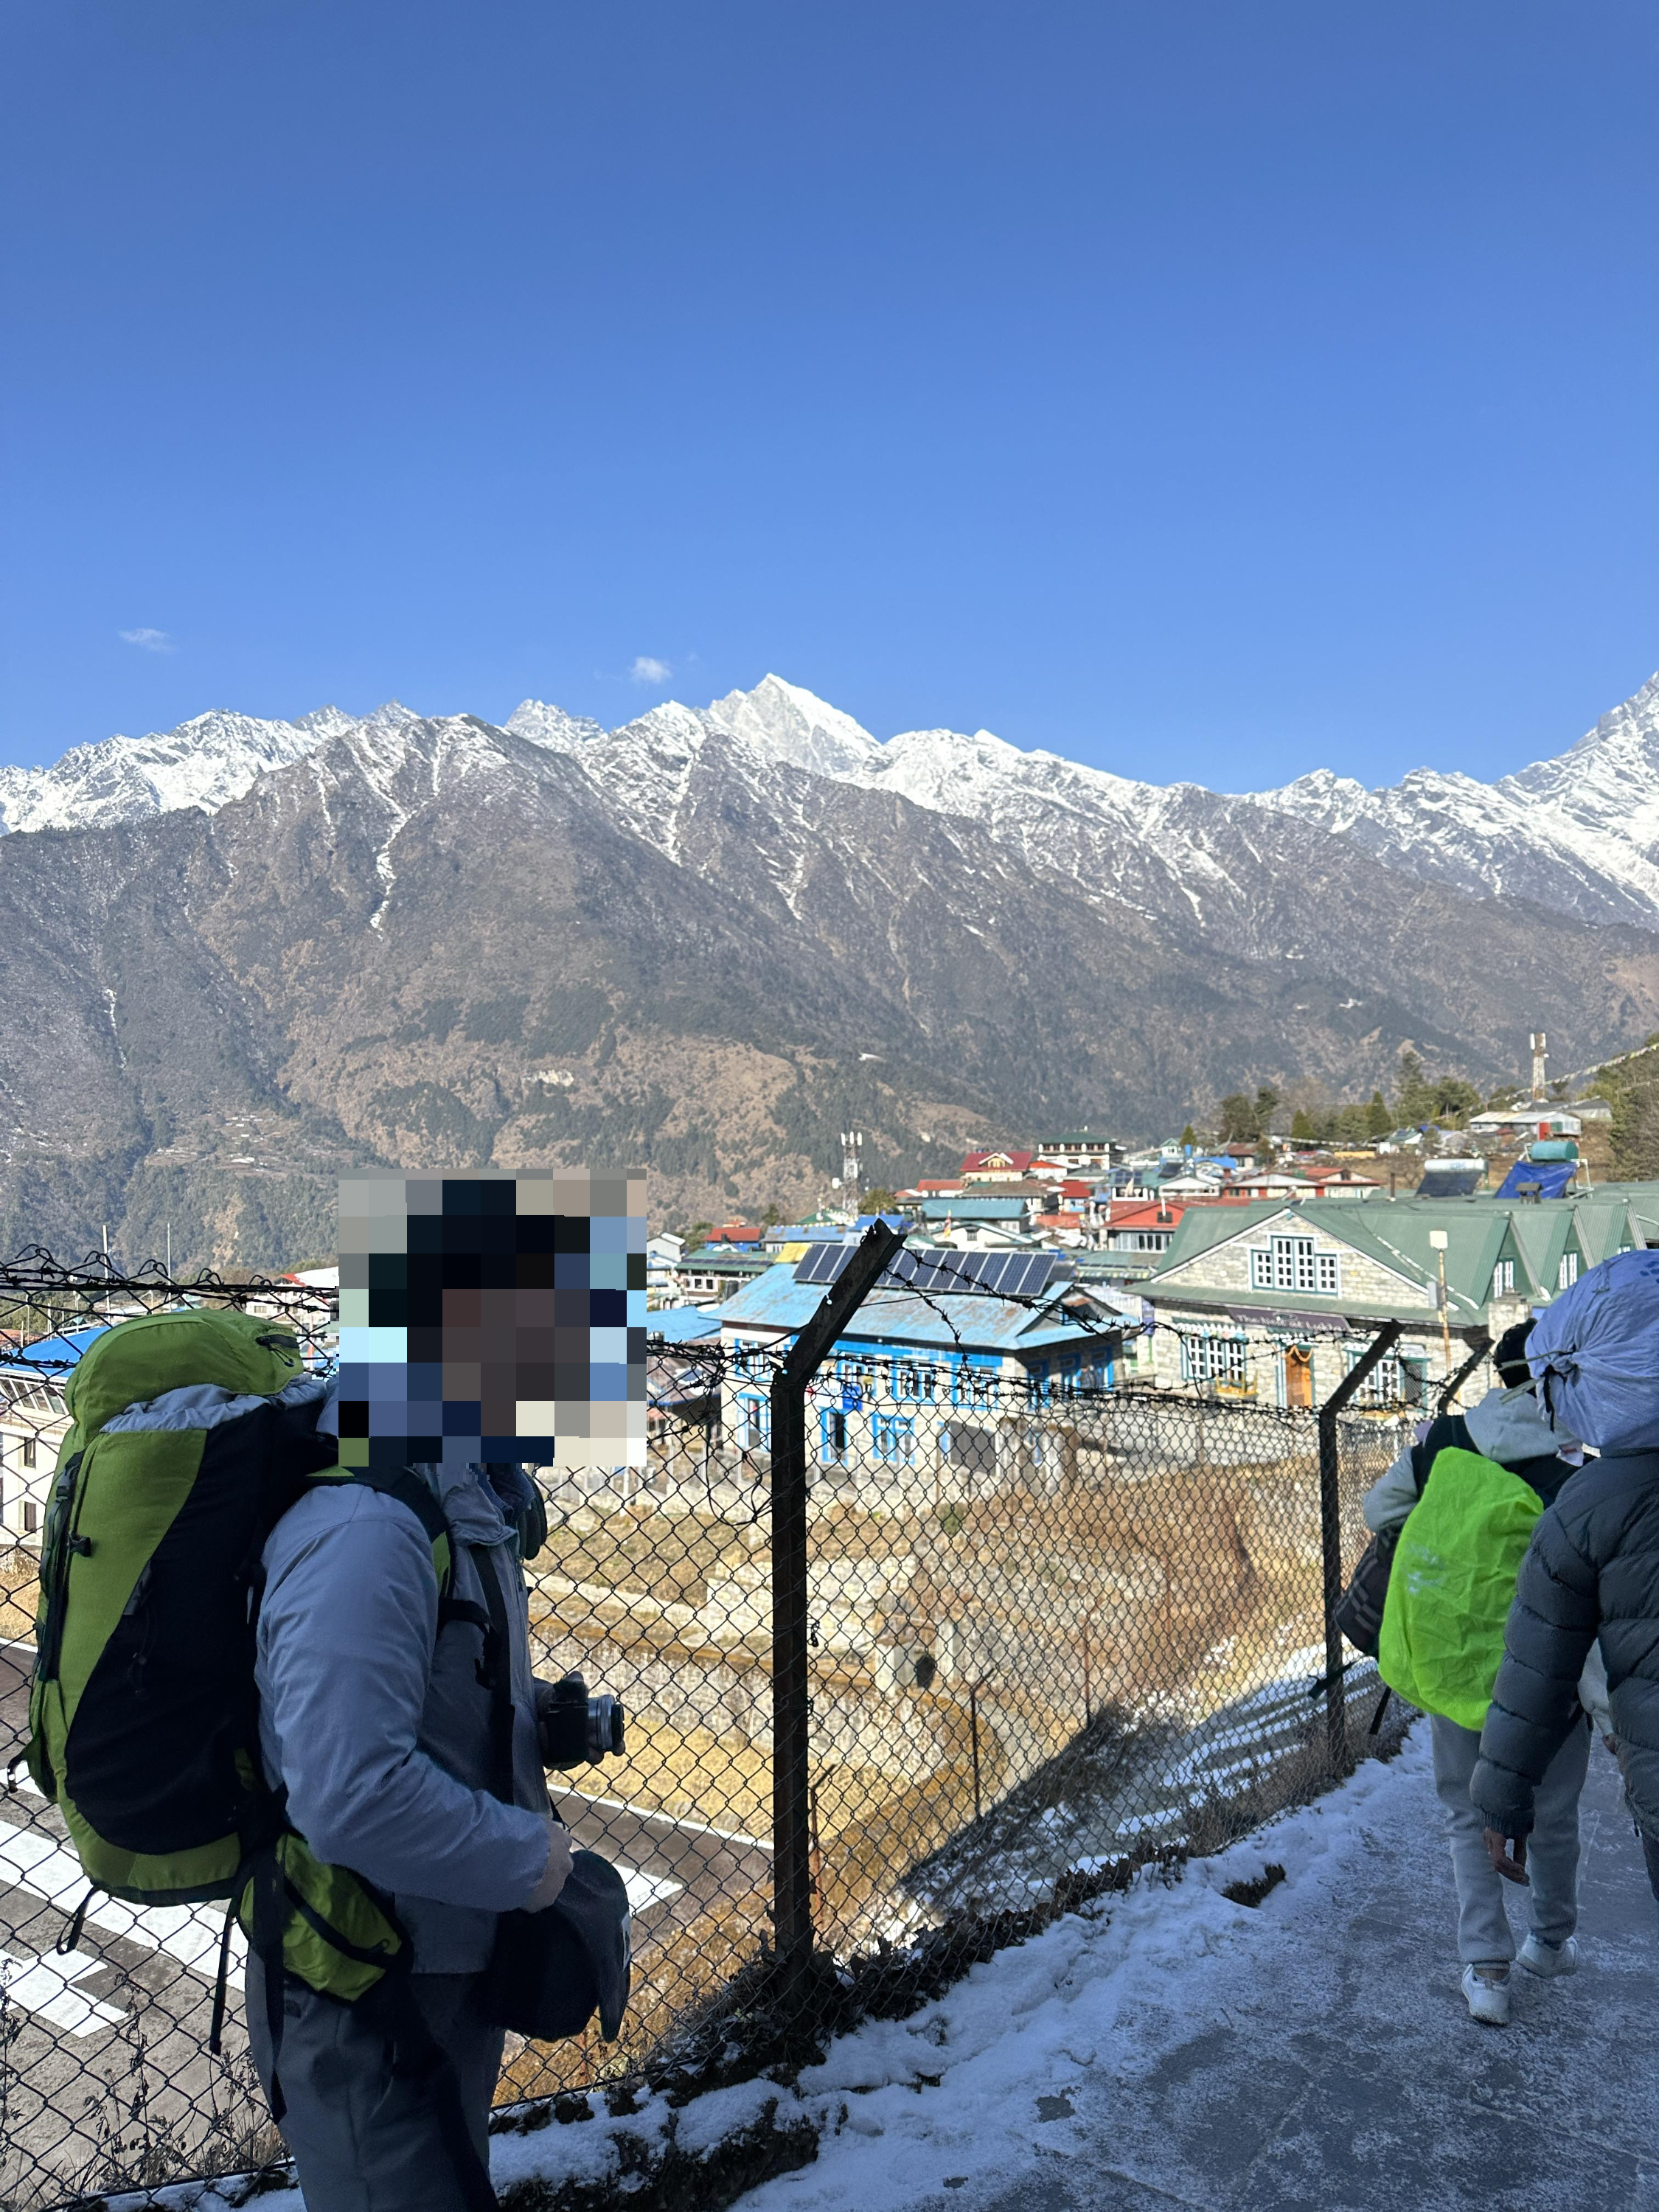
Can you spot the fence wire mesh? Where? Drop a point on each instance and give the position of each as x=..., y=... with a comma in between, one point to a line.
x=1048, y=1639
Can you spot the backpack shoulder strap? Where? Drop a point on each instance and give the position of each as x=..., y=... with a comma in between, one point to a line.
x=1446, y=1432
x=408, y=1490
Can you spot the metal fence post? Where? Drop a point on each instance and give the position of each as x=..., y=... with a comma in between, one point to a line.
x=792, y=1802
x=1330, y=1535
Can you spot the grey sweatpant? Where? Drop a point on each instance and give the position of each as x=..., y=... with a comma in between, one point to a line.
x=363, y=2139
x=1483, y=1924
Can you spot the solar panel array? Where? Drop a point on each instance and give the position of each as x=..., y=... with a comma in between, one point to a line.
x=994, y=1275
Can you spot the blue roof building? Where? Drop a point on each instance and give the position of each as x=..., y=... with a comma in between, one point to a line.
x=683, y=1324
x=906, y=1355
x=972, y=1208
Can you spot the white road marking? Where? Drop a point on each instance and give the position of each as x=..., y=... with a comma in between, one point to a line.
x=187, y=1933
x=46, y=1988
x=647, y=1890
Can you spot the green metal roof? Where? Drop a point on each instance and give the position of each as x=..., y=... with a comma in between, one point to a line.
x=1394, y=1235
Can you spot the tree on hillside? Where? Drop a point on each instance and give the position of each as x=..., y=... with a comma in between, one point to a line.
x=1455, y=1100
x=1415, y=1098
x=1378, y=1119
x=1635, y=1134
x=1302, y=1128
x=1265, y=1100
x=1237, y=1119
x=772, y=1216
x=1189, y=1135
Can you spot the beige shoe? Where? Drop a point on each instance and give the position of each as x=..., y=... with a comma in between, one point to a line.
x=1549, y=1960
x=1487, y=1990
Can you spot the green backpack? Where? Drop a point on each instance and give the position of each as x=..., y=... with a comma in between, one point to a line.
x=188, y=1442
x=1452, y=1585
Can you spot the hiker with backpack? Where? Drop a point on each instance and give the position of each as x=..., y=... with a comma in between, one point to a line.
x=306, y=1689
x=377, y=1723
x=1463, y=1501
x=1591, y=1578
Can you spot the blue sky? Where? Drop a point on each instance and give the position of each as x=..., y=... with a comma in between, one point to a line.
x=1208, y=390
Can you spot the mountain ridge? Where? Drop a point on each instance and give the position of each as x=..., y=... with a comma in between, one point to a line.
x=1578, y=832
x=705, y=942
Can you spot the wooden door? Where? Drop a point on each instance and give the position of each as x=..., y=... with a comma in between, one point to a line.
x=1298, y=1375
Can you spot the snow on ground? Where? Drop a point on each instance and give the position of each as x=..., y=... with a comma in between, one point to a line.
x=1313, y=2051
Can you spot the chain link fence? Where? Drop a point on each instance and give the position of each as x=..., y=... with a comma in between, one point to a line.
x=1046, y=1641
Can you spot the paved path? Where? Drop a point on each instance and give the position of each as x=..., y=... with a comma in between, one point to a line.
x=1335, y=2067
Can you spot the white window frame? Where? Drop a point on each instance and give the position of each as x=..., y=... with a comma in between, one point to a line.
x=1215, y=1360
x=1567, y=1272
x=1502, y=1279
x=1298, y=1265
x=893, y=1437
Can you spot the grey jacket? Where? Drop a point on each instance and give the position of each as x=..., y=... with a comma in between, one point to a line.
x=377, y=1726
x=1592, y=1568
x=1507, y=1425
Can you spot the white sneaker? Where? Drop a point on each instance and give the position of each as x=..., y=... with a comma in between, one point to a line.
x=1549, y=1960
x=1487, y=1989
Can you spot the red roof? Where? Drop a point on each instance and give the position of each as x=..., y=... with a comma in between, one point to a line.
x=737, y=1232
x=1145, y=1212
x=1014, y=1162
x=939, y=1186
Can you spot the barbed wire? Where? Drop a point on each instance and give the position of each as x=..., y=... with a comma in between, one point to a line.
x=67, y=1296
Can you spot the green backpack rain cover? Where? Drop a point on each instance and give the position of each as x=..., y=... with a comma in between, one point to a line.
x=1452, y=1583
x=144, y=1713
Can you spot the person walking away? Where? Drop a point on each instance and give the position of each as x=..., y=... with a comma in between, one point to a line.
x=1463, y=1498
x=1592, y=1575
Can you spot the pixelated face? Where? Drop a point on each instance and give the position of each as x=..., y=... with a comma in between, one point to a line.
x=492, y=1316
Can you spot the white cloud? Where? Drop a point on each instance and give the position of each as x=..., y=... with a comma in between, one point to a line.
x=648, y=669
x=147, y=641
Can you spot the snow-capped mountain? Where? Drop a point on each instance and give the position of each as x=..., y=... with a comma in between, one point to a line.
x=552, y=727
x=712, y=938
x=1578, y=834
x=204, y=762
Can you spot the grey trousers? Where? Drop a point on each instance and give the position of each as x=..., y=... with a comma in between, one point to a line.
x=363, y=2139
x=1483, y=1925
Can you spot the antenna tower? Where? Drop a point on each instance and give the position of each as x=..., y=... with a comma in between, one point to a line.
x=852, y=1144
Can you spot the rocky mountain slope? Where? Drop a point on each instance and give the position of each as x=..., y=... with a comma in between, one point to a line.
x=707, y=940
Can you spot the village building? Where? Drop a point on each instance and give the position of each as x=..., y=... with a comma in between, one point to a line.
x=1535, y=1117
x=663, y=1255
x=999, y=1167
x=976, y=1215
x=33, y=1422
x=916, y=1376
x=1340, y=1181
x=711, y=1273
x=1141, y=1224
x=1275, y=1303
x=1083, y=1152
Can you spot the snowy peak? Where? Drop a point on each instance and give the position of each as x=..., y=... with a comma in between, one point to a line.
x=796, y=726
x=1578, y=834
x=552, y=727
x=204, y=762
x=1636, y=720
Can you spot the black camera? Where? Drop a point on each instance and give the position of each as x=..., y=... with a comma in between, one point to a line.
x=573, y=1729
